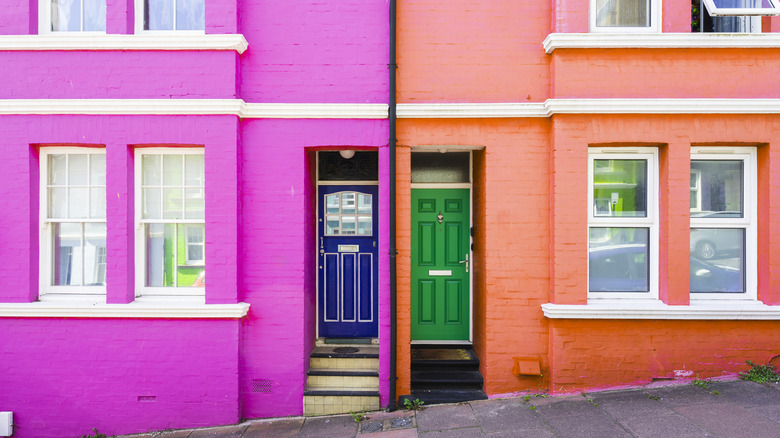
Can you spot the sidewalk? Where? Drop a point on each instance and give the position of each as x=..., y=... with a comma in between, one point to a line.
x=725, y=409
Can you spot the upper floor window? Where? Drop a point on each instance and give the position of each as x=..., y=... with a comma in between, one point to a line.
x=624, y=15
x=72, y=16
x=723, y=232
x=623, y=223
x=73, y=220
x=170, y=206
x=179, y=15
x=742, y=16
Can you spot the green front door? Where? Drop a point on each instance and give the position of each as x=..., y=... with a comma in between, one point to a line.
x=440, y=265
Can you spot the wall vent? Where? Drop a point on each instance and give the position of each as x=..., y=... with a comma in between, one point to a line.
x=147, y=398
x=263, y=386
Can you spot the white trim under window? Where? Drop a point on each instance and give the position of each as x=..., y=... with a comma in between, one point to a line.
x=169, y=200
x=622, y=239
x=95, y=10
x=175, y=24
x=72, y=255
x=721, y=254
x=614, y=16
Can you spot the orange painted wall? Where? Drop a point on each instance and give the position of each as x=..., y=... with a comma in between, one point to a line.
x=511, y=242
x=472, y=51
x=627, y=73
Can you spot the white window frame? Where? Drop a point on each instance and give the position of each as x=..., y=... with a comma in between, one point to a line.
x=655, y=20
x=697, y=188
x=748, y=222
x=650, y=222
x=46, y=244
x=715, y=11
x=141, y=290
x=139, y=23
x=44, y=21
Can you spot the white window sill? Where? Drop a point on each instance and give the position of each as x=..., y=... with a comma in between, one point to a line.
x=141, y=308
x=693, y=40
x=654, y=309
x=167, y=41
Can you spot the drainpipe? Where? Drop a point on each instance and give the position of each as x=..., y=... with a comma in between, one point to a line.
x=392, y=67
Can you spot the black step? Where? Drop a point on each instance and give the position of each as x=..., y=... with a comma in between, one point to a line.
x=432, y=396
x=430, y=357
x=345, y=352
x=472, y=377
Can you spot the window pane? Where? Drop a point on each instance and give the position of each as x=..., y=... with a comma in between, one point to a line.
x=172, y=170
x=195, y=244
x=78, y=203
x=152, y=204
x=95, y=254
x=151, y=170
x=622, y=13
x=95, y=15
x=620, y=188
x=57, y=169
x=194, y=204
x=172, y=204
x=348, y=203
x=717, y=260
x=742, y=4
x=332, y=202
x=189, y=15
x=97, y=203
x=618, y=260
x=364, y=204
x=194, y=169
x=719, y=193
x=77, y=169
x=57, y=203
x=66, y=15
x=159, y=255
x=435, y=167
x=364, y=226
x=158, y=14
x=332, y=226
x=97, y=170
x=348, y=225
x=67, y=255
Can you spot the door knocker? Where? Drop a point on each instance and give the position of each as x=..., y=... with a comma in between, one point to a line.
x=440, y=217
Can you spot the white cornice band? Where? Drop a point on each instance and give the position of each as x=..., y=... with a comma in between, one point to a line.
x=239, y=108
x=691, y=40
x=726, y=310
x=75, y=41
x=130, y=310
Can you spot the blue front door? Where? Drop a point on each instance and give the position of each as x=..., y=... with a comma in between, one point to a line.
x=347, y=261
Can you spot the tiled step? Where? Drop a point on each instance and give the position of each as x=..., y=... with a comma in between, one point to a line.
x=334, y=401
x=342, y=379
x=361, y=380
x=362, y=357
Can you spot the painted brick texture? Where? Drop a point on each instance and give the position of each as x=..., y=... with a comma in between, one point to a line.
x=62, y=377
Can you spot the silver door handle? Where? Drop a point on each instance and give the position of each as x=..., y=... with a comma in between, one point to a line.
x=466, y=262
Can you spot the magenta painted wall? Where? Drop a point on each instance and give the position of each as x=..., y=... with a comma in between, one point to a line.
x=62, y=377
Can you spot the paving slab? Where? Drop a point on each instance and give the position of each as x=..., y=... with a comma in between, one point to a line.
x=220, y=432
x=663, y=426
x=446, y=417
x=771, y=412
x=596, y=424
x=628, y=404
x=277, y=428
x=328, y=427
x=496, y=416
x=730, y=420
x=162, y=434
x=747, y=393
x=397, y=433
x=566, y=408
x=684, y=395
x=469, y=432
x=527, y=433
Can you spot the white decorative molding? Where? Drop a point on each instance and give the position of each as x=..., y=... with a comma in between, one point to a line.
x=663, y=106
x=651, y=309
x=238, y=107
x=693, y=40
x=123, y=106
x=62, y=309
x=315, y=111
x=470, y=110
x=76, y=41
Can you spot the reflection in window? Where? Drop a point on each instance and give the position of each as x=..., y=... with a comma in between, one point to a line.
x=622, y=13
x=718, y=190
x=618, y=260
x=174, y=15
x=717, y=260
x=348, y=213
x=78, y=15
x=620, y=188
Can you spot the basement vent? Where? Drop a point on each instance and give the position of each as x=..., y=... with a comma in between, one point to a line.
x=147, y=398
x=263, y=386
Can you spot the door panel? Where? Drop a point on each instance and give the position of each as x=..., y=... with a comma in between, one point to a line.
x=347, y=269
x=440, y=277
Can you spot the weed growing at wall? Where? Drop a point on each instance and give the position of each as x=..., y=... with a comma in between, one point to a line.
x=760, y=373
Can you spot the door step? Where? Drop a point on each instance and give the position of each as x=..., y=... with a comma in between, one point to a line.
x=342, y=379
x=446, y=374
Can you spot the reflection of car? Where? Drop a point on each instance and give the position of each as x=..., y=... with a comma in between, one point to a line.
x=618, y=268
x=706, y=243
x=714, y=277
